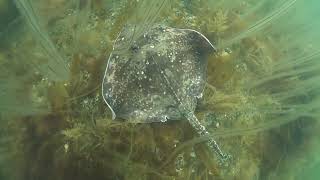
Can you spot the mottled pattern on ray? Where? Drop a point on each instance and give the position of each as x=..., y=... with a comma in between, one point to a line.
x=147, y=81
x=158, y=76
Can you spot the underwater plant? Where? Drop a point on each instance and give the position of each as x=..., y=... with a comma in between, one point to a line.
x=259, y=89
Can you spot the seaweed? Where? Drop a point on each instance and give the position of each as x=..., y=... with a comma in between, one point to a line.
x=56, y=65
x=260, y=100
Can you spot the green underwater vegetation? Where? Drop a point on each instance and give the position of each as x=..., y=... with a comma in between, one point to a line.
x=260, y=101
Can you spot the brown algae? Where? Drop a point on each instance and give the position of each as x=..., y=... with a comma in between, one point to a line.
x=259, y=100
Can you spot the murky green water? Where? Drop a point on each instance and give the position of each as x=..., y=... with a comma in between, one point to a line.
x=187, y=83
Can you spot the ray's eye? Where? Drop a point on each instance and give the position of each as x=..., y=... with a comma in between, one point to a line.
x=134, y=48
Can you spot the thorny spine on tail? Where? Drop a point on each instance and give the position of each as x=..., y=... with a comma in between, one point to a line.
x=201, y=130
x=193, y=120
